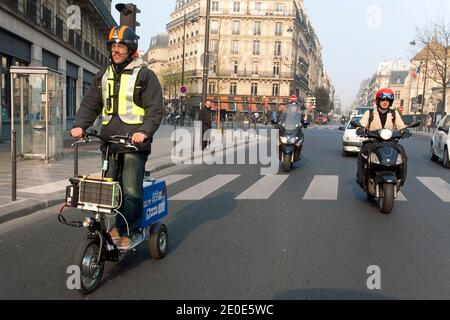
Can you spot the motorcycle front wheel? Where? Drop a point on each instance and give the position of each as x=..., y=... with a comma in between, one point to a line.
x=86, y=259
x=386, y=200
x=286, y=163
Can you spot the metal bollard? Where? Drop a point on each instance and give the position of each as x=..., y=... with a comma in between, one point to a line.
x=14, y=166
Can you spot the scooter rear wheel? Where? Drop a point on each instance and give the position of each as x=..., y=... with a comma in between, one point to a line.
x=386, y=200
x=86, y=259
x=158, y=243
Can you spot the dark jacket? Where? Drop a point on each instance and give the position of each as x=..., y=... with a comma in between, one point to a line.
x=204, y=116
x=147, y=94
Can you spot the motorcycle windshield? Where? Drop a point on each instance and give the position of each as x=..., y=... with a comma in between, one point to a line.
x=293, y=121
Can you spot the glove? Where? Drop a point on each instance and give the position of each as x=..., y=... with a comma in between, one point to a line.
x=406, y=134
x=361, y=131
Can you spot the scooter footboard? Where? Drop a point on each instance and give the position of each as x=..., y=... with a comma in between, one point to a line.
x=155, y=202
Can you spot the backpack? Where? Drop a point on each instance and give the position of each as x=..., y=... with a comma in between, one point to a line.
x=393, y=113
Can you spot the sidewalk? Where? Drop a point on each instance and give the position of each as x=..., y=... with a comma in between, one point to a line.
x=40, y=185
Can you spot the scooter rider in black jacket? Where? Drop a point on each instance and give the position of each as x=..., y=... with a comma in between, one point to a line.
x=128, y=96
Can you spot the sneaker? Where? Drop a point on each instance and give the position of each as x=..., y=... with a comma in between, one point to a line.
x=123, y=243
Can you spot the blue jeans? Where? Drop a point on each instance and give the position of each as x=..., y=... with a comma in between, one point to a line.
x=128, y=169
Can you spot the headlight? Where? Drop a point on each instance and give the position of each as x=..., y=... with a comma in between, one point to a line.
x=87, y=222
x=374, y=158
x=399, y=159
x=293, y=140
x=284, y=140
x=386, y=134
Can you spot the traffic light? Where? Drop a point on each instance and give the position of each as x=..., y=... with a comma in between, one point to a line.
x=128, y=14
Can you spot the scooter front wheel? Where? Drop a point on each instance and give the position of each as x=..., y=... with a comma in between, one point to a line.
x=90, y=272
x=386, y=200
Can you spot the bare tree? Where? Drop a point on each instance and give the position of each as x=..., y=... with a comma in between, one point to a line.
x=435, y=40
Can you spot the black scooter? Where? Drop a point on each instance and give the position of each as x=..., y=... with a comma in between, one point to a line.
x=291, y=144
x=384, y=166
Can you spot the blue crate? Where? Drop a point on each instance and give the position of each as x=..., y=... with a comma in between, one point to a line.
x=155, y=204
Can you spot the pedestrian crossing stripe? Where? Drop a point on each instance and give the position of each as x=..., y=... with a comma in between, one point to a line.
x=438, y=186
x=321, y=188
x=205, y=188
x=263, y=189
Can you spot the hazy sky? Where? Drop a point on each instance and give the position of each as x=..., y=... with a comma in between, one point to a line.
x=355, y=34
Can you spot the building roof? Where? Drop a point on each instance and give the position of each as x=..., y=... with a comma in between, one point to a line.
x=159, y=41
x=398, y=77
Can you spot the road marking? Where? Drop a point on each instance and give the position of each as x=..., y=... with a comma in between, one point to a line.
x=174, y=178
x=401, y=197
x=438, y=186
x=323, y=188
x=263, y=189
x=52, y=186
x=205, y=188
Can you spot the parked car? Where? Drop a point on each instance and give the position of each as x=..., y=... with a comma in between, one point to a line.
x=440, y=142
x=351, y=143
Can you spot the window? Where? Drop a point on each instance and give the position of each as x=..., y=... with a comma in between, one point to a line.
x=278, y=28
x=255, y=69
x=275, y=89
x=235, y=47
x=71, y=96
x=276, y=69
x=258, y=7
x=236, y=27
x=214, y=27
x=280, y=7
x=256, y=47
x=214, y=45
x=397, y=95
x=212, y=88
x=257, y=31
x=235, y=65
x=215, y=6
x=277, y=50
x=233, y=89
x=236, y=6
x=254, y=91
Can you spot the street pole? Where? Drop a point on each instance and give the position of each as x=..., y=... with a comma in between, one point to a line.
x=424, y=89
x=206, y=55
x=182, y=68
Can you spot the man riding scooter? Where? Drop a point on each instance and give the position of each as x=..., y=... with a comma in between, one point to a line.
x=129, y=97
x=383, y=117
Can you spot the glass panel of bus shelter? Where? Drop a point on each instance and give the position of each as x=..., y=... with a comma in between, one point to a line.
x=55, y=130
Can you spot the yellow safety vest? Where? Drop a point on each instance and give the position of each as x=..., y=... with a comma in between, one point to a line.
x=128, y=111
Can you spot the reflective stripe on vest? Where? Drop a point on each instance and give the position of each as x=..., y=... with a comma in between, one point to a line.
x=128, y=111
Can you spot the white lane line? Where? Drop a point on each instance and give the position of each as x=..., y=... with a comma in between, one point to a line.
x=205, y=188
x=323, y=188
x=263, y=189
x=438, y=186
x=174, y=178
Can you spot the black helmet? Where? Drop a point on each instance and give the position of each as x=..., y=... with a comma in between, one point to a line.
x=125, y=35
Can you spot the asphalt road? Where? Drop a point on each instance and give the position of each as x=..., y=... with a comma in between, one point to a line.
x=292, y=244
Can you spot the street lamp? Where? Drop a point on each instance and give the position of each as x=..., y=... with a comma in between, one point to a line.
x=413, y=43
x=183, y=111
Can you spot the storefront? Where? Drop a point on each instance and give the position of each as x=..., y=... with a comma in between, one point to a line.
x=14, y=51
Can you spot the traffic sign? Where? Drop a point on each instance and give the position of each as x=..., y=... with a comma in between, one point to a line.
x=401, y=109
x=183, y=91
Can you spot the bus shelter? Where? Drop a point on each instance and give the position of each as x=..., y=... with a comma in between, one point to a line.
x=37, y=112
